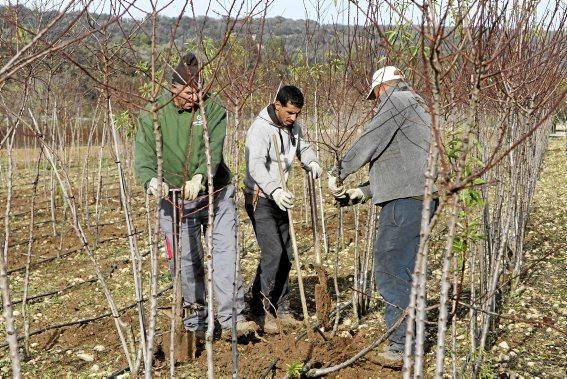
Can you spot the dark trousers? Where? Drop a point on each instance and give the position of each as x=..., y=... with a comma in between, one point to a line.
x=395, y=251
x=271, y=225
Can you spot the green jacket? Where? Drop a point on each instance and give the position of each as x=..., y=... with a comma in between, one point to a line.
x=183, y=145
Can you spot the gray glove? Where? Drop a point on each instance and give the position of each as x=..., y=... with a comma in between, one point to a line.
x=352, y=196
x=356, y=195
x=193, y=187
x=283, y=199
x=335, y=186
x=157, y=189
x=314, y=169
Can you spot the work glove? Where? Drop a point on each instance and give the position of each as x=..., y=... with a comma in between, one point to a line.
x=356, y=195
x=157, y=189
x=283, y=199
x=192, y=187
x=314, y=169
x=336, y=186
x=352, y=196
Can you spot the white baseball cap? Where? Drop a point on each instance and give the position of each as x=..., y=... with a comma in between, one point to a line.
x=382, y=75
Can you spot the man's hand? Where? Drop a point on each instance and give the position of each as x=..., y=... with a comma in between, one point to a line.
x=157, y=189
x=355, y=195
x=352, y=196
x=283, y=199
x=314, y=169
x=192, y=187
x=335, y=186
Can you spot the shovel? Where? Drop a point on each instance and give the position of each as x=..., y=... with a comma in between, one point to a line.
x=292, y=236
x=322, y=296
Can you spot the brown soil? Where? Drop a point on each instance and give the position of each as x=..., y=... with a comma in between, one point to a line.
x=56, y=352
x=59, y=263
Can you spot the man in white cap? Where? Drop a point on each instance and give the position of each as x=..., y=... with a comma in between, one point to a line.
x=395, y=145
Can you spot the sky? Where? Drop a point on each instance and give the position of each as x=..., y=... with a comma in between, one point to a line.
x=324, y=11
x=328, y=11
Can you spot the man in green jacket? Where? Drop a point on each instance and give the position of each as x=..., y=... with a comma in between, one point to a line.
x=180, y=118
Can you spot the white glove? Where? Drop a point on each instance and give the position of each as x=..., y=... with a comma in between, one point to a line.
x=337, y=190
x=283, y=199
x=192, y=187
x=157, y=189
x=355, y=194
x=314, y=169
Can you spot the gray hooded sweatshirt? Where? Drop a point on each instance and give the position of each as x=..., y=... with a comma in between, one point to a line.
x=261, y=163
x=395, y=144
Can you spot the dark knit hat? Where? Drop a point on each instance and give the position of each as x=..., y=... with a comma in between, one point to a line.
x=187, y=71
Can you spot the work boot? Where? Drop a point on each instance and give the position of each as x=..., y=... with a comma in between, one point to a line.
x=270, y=325
x=267, y=323
x=391, y=358
x=288, y=321
x=200, y=334
x=243, y=328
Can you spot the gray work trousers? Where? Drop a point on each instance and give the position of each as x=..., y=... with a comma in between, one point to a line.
x=395, y=252
x=194, y=223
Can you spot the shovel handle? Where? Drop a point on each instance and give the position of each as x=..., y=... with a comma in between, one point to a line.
x=314, y=218
x=292, y=236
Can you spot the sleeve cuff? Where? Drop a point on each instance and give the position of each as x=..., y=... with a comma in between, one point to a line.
x=365, y=188
x=146, y=183
x=269, y=188
x=335, y=170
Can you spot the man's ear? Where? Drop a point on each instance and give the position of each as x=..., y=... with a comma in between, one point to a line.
x=379, y=89
x=277, y=104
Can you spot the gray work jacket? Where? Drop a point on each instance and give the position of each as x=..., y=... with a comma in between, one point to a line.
x=261, y=163
x=396, y=144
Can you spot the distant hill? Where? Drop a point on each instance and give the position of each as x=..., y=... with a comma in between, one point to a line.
x=292, y=35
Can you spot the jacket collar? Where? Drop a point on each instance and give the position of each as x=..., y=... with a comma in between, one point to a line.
x=271, y=109
x=400, y=86
x=269, y=115
x=169, y=98
x=386, y=95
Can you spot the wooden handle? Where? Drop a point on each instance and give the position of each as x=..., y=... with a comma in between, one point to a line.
x=306, y=319
x=278, y=159
x=314, y=218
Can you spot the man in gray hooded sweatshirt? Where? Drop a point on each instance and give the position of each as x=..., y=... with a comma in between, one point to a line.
x=267, y=203
x=395, y=145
